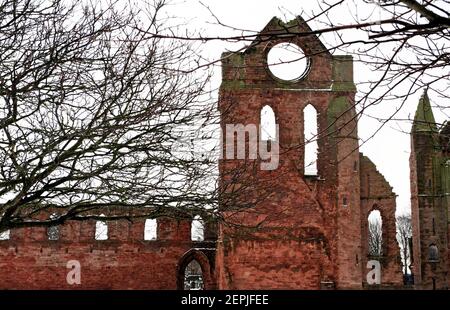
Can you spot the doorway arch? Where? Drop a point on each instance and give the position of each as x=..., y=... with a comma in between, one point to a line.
x=203, y=261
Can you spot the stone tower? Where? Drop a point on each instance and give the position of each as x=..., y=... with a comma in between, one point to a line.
x=430, y=188
x=284, y=228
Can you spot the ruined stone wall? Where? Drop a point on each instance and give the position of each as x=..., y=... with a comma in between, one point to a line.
x=282, y=230
x=377, y=194
x=276, y=264
x=315, y=221
x=125, y=261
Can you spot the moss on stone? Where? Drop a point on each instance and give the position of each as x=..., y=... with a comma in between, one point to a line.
x=233, y=84
x=343, y=86
x=424, y=118
x=336, y=108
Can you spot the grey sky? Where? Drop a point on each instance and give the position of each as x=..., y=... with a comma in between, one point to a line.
x=389, y=149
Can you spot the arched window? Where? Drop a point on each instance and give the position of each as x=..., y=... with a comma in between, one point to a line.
x=268, y=129
x=101, y=230
x=433, y=253
x=5, y=235
x=53, y=231
x=150, y=230
x=375, y=231
x=310, y=136
x=193, y=276
x=197, y=229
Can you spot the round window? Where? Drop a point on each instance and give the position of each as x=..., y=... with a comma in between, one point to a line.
x=287, y=61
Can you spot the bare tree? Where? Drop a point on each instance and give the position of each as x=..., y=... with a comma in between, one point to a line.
x=92, y=97
x=91, y=107
x=404, y=43
x=404, y=235
x=375, y=238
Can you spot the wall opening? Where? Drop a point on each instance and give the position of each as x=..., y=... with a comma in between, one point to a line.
x=194, y=271
x=344, y=202
x=375, y=233
x=287, y=62
x=101, y=230
x=310, y=139
x=433, y=253
x=193, y=276
x=268, y=129
x=151, y=229
x=5, y=235
x=53, y=231
x=197, y=229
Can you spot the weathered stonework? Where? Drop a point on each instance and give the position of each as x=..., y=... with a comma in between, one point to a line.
x=283, y=229
x=311, y=231
x=430, y=198
x=125, y=261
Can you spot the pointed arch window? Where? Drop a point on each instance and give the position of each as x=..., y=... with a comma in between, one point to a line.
x=375, y=231
x=310, y=142
x=268, y=129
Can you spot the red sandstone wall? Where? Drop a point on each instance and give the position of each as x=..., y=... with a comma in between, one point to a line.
x=293, y=231
x=298, y=204
x=428, y=206
x=415, y=220
x=377, y=194
x=288, y=249
x=348, y=232
x=272, y=264
x=125, y=261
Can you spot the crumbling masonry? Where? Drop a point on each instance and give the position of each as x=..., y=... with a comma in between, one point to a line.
x=292, y=230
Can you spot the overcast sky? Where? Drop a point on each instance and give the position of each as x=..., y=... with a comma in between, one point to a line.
x=389, y=149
